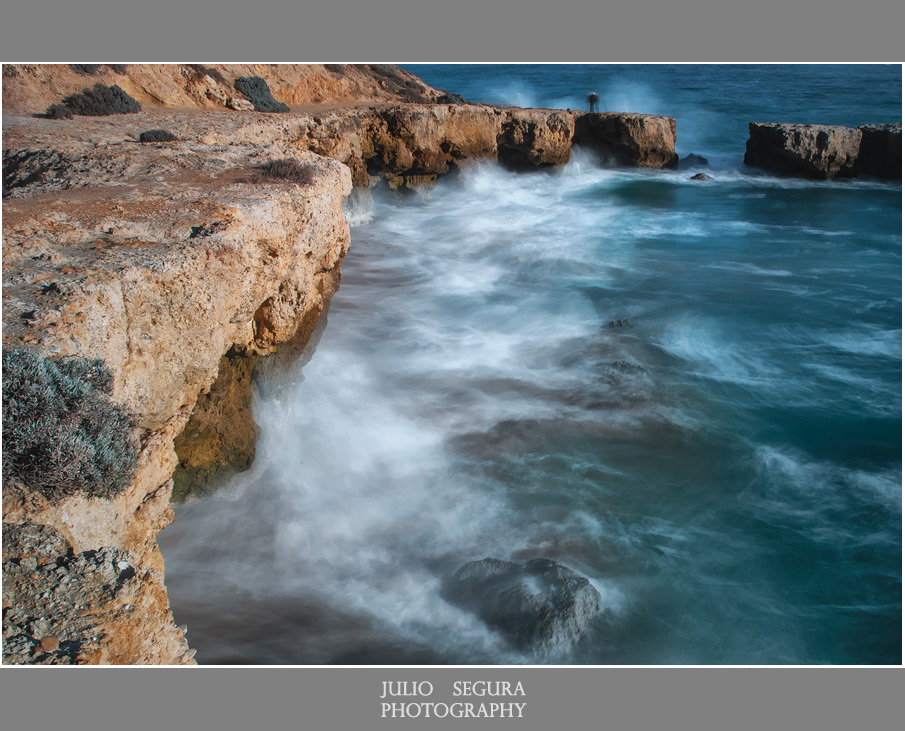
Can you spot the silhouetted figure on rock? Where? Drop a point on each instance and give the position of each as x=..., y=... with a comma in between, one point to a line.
x=592, y=101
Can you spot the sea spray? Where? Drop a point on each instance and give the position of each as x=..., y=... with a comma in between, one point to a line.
x=689, y=394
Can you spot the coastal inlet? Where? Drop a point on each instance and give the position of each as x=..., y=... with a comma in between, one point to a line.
x=588, y=388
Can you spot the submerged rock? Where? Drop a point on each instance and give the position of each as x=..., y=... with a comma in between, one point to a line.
x=701, y=176
x=539, y=605
x=694, y=161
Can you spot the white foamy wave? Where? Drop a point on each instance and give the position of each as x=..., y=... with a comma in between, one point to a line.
x=866, y=341
x=358, y=207
x=827, y=486
x=751, y=269
x=703, y=343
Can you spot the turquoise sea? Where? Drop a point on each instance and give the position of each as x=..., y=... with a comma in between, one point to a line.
x=689, y=392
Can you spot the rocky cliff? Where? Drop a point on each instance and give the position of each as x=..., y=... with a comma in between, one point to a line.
x=179, y=264
x=185, y=254
x=31, y=88
x=826, y=151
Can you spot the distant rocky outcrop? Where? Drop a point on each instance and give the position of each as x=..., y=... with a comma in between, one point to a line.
x=528, y=140
x=410, y=146
x=693, y=161
x=642, y=140
x=825, y=152
x=540, y=606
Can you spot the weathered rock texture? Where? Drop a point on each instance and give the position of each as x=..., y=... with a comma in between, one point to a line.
x=825, y=152
x=541, y=605
x=31, y=88
x=64, y=607
x=630, y=139
x=412, y=145
x=158, y=259
x=408, y=146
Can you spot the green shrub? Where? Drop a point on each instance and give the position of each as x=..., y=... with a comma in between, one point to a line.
x=92, y=69
x=86, y=69
x=288, y=169
x=256, y=90
x=199, y=72
x=62, y=435
x=58, y=111
x=157, y=135
x=101, y=101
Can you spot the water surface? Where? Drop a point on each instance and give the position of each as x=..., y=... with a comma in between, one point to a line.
x=689, y=392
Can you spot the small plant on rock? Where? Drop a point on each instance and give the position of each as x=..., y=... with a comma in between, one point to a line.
x=86, y=69
x=157, y=135
x=62, y=435
x=101, y=101
x=256, y=90
x=199, y=72
x=58, y=111
x=288, y=169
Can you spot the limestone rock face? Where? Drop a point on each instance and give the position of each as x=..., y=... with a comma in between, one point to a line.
x=31, y=88
x=807, y=150
x=529, y=139
x=643, y=140
x=158, y=259
x=540, y=605
x=68, y=607
x=880, y=154
x=423, y=141
x=412, y=145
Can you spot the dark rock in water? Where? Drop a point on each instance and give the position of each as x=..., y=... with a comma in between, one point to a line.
x=619, y=323
x=816, y=151
x=693, y=161
x=701, y=176
x=880, y=154
x=625, y=366
x=539, y=605
x=639, y=140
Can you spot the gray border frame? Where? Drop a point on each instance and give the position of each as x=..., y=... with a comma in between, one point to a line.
x=399, y=31
x=479, y=31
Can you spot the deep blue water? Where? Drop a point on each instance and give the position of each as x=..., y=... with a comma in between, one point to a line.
x=725, y=466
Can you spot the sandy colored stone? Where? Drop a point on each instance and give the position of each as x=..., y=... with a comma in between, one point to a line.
x=157, y=259
x=643, y=140
x=31, y=88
